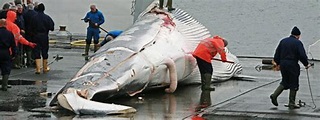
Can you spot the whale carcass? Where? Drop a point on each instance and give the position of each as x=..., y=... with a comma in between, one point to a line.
x=155, y=52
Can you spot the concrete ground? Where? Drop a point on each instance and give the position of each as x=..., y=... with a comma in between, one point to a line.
x=253, y=101
x=233, y=99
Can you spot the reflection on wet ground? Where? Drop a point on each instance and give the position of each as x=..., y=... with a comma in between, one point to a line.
x=23, y=98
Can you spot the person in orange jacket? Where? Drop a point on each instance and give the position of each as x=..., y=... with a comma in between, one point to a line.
x=12, y=27
x=204, y=53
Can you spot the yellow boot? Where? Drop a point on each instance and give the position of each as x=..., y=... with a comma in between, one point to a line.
x=38, y=66
x=45, y=66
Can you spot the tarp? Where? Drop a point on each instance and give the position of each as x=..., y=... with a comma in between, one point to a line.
x=314, y=51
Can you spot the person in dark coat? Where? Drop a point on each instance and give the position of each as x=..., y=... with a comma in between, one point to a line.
x=289, y=51
x=3, y=12
x=27, y=16
x=6, y=42
x=41, y=25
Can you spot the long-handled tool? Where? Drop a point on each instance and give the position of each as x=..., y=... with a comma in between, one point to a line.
x=223, y=61
x=98, y=26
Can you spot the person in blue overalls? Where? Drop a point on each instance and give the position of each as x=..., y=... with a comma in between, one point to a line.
x=95, y=19
x=110, y=36
x=289, y=51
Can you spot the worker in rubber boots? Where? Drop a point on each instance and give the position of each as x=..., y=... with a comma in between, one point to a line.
x=289, y=51
x=95, y=18
x=41, y=25
x=169, y=5
x=6, y=42
x=204, y=53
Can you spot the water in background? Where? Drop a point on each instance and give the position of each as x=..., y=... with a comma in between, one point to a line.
x=255, y=27
x=252, y=27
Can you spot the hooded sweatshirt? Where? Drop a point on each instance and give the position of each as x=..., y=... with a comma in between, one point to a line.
x=209, y=47
x=11, y=17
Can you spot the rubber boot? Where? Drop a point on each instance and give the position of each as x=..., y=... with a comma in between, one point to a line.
x=161, y=4
x=38, y=66
x=292, y=100
x=46, y=69
x=169, y=5
x=205, y=100
x=275, y=95
x=95, y=48
x=16, y=62
x=29, y=58
x=86, y=50
x=5, y=79
x=206, y=82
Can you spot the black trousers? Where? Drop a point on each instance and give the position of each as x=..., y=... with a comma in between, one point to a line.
x=42, y=48
x=5, y=62
x=204, y=66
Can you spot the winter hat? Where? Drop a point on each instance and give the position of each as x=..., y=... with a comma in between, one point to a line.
x=6, y=6
x=295, y=31
x=41, y=7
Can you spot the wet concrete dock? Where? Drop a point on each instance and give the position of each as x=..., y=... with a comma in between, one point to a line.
x=236, y=98
x=253, y=28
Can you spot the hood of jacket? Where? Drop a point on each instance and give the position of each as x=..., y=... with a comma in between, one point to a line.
x=11, y=16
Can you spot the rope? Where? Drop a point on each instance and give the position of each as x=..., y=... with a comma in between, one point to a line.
x=234, y=97
x=314, y=107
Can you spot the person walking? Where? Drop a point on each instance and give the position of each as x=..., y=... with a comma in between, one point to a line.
x=41, y=25
x=95, y=18
x=204, y=53
x=6, y=42
x=169, y=5
x=289, y=51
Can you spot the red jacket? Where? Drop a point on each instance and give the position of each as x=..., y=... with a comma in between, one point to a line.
x=209, y=47
x=12, y=27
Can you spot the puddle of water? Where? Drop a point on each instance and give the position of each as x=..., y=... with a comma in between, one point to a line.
x=24, y=96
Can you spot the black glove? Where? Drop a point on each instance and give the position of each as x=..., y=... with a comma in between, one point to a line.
x=86, y=20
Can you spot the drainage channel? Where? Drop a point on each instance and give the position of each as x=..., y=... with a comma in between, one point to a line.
x=26, y=82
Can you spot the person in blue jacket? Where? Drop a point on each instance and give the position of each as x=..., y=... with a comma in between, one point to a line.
x=110, y=36
x=289, y=51
x=95, y=19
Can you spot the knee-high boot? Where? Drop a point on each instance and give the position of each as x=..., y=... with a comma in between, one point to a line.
x=29, y=58
x=38, y=66
x=161, y=4
x=292, y=100
x=95, y=48
x=169, y=5
x=5, y=79
x=275, y=95
x=46, y=68
x=206, y=82
x=86, y=50
x=16, y=62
